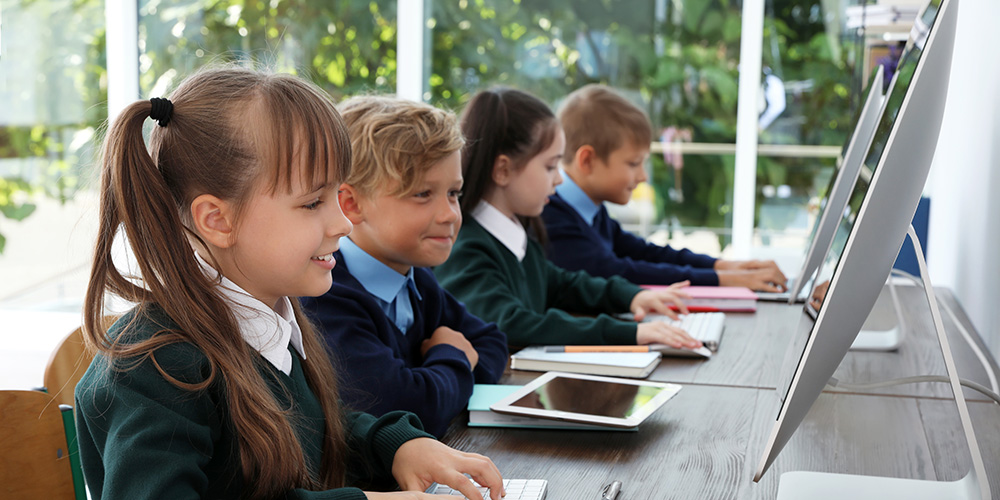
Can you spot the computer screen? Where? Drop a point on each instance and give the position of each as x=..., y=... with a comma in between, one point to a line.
x=894, y=100
x=835, y=197
x=879, y=212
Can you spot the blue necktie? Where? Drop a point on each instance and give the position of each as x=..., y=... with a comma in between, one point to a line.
x=402, y=308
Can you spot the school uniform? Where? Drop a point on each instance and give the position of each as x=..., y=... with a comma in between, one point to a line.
x=141, y=436
x=502, y=275
x=375, y=321
x=583, y=237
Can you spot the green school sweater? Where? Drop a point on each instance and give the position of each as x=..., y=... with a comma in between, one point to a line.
x=534, y=301
x=140, y=436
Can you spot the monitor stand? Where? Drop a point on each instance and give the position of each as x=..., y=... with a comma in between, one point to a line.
x=883, y=330
x=975, y=485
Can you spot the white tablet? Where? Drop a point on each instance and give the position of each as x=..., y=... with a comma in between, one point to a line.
x=572, y=397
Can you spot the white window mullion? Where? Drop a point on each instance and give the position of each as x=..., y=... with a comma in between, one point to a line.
x=745, y=181
x=122, y=39
x=411, y=56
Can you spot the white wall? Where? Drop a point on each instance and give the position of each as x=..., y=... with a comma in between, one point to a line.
x=964, y=183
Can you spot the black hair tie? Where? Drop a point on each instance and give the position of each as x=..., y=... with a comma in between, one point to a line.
x=162, y=109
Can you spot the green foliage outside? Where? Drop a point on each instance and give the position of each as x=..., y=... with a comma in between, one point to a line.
x=50, y=154
x=680, y=65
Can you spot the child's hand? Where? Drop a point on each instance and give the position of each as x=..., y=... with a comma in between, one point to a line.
x=445, y=335
x=658, y=332
x=760, y=275
x=422, y=461
x=761, y=280
x=405, y=495
x=819, y=294
x=659, y=301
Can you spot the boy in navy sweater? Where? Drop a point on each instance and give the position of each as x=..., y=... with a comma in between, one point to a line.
x=605, y=162
x=405, y=342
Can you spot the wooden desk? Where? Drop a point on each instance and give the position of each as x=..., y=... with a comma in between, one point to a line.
x=706, y=443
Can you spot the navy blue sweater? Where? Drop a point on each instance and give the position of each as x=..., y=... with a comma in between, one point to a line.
x=382, y=370
x=605, y=250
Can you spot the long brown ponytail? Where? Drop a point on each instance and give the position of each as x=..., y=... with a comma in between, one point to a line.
x=231, y=129
x=503, y=121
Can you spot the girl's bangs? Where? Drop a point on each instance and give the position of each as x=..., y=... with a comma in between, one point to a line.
x=309, y=145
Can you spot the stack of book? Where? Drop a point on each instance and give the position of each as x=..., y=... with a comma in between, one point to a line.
x=615, y=364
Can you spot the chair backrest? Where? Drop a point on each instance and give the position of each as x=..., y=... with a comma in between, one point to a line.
x=68, y=363
x=40, y=457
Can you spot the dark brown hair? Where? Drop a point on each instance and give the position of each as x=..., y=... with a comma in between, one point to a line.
x=232, y=132
x=503, y=121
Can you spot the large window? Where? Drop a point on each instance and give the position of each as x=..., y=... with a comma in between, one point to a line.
x=53, y=89
x=346, y=46
x=677, y=59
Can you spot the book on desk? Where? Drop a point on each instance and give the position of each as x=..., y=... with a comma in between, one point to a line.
x=615, y=364
x=716, y=298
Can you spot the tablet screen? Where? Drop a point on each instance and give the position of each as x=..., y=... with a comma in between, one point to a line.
x=589, y=397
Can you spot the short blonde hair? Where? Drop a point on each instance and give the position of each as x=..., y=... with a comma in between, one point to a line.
x=394, y=142
x=597, y=116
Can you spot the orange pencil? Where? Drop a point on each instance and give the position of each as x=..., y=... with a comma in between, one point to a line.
x=597, y=348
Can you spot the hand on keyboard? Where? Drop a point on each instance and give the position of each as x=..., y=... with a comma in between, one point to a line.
x=423, y=460
x=706, y=327
x=661, y=300
x=661, y=332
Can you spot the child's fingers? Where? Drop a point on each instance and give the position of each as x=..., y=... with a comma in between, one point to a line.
x=685, y=339
x=681, y=306
x=486, y=473
x=768, y=287
x=678, y=338
x=460, y=482
x=638, y=312
x=680, y=284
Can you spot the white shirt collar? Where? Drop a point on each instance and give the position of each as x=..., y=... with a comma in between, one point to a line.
x=267, y=330
x=509, y=231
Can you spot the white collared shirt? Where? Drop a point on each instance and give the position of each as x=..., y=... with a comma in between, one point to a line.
x=509, y=231
x=269, y=331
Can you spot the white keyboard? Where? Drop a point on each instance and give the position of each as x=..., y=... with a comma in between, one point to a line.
x=517, y=489
x=706, y=327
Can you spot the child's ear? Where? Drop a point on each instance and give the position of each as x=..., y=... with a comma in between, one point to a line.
x=213, y=220
x=503, y=170
x=350, y=202
x=584, y=159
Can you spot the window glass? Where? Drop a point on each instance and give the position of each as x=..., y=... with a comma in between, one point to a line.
x=677, y=60
x=53, y=93
x=346, y=46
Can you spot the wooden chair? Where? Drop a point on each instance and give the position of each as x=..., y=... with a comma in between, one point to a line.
x=69, y=361
x=40, y=456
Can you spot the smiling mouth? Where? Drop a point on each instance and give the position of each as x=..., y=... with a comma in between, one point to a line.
x=325, y=258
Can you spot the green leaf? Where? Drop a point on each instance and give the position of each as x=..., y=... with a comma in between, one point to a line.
x=724, y=84
x=18, y=212
x=731, y=29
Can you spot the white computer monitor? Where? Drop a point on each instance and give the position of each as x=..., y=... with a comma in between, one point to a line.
x=841, y=184
x=880, y=211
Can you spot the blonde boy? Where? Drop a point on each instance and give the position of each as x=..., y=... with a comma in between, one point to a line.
x=401, y=342
x=607, y=143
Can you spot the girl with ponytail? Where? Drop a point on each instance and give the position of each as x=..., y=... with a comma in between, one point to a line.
x=498, y=268
x=215, y=385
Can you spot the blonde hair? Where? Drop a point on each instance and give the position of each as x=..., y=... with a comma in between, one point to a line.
x=232, y=132
x=395, y=142
x=599, y=117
